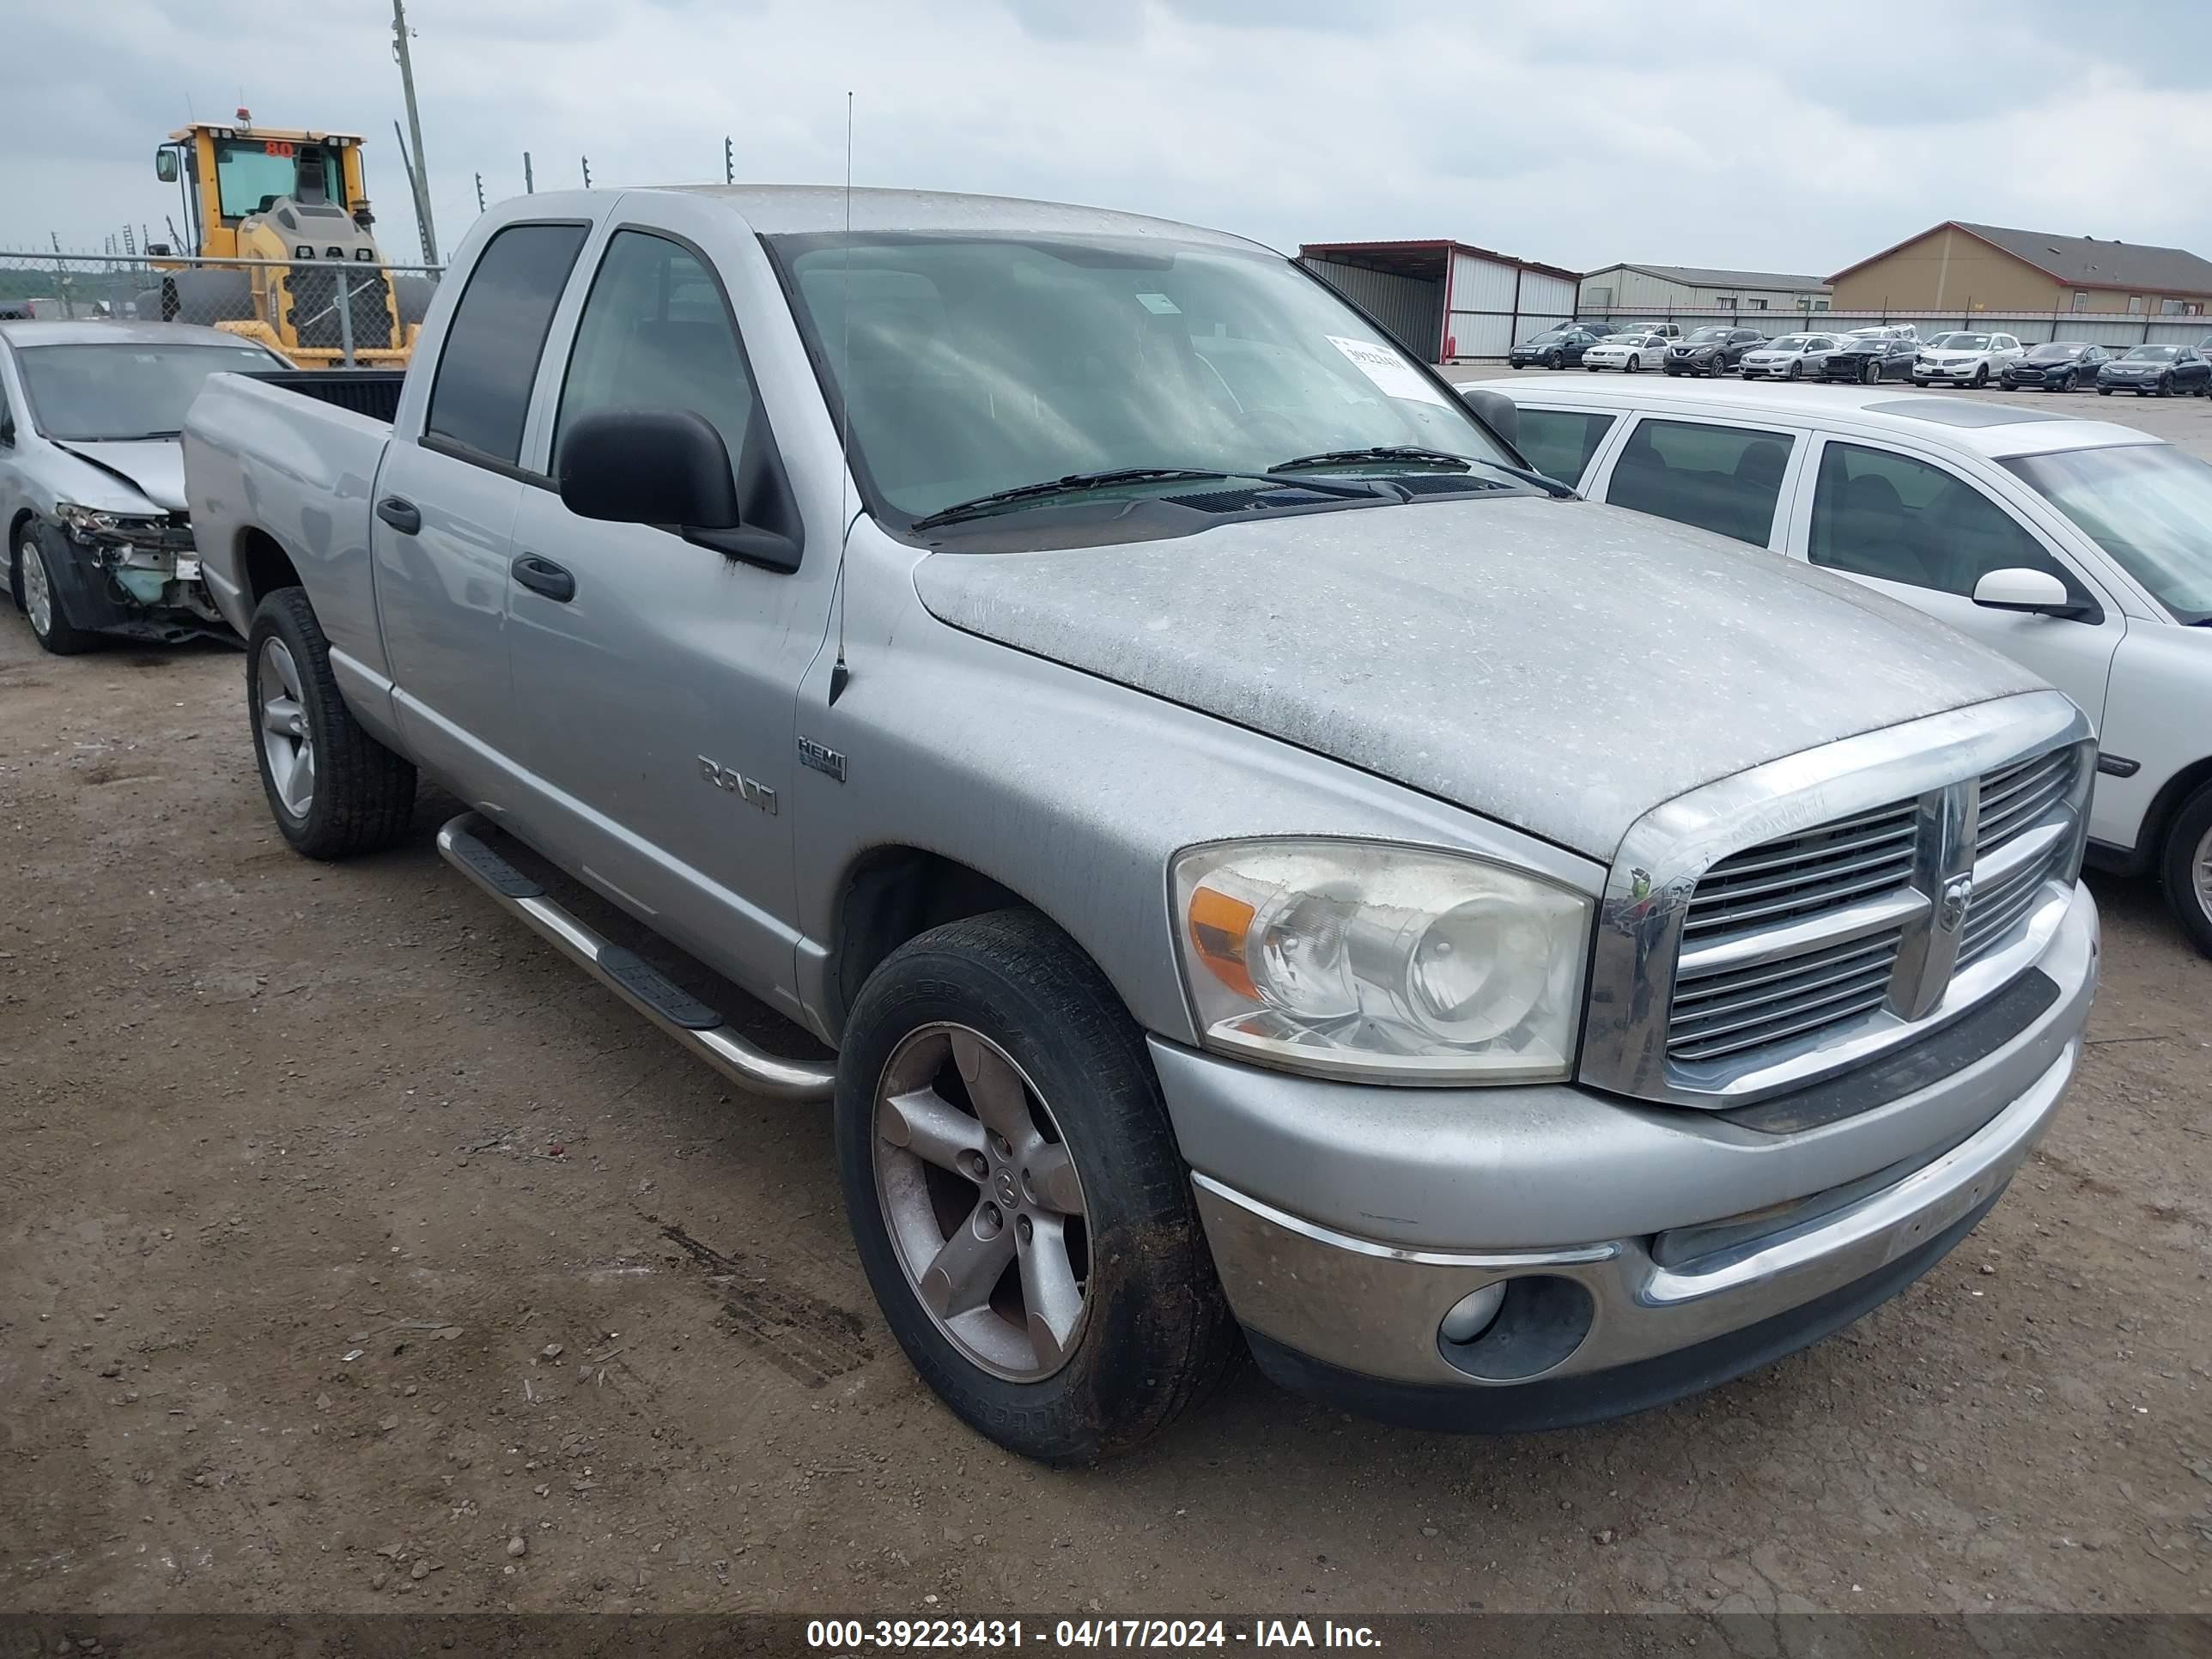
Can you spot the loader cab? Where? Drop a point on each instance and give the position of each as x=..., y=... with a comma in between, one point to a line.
x=229, y=174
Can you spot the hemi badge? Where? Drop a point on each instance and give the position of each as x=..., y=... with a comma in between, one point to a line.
x=2115, y=766
x=822, y=758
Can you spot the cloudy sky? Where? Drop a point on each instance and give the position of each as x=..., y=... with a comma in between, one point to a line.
x=1579, y=132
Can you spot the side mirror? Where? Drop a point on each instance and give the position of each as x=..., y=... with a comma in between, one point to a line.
x=658, y=466
x=165, y=166
x=2031, y=592
x=1495, y=410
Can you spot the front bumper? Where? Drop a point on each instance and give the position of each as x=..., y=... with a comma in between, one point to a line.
x=1923, y=376
x=1646, y=1252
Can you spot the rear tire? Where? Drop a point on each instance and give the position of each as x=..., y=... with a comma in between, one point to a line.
x=1020, y=1011
x=334, y=790
x=2186, y=869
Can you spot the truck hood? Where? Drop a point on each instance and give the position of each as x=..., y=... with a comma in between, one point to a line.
x=1563, y=666
x=154, y=467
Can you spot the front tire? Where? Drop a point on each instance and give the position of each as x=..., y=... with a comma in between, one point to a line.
x=334, y=790
x=1797, y=369
x=1872, y=375
x=1555, y=361
x=39, y=591
x=1981, y=376
x=2187, y=868
x=2166, y=385
x=1016, y=1196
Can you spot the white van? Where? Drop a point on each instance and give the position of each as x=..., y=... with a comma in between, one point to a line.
x=2081, y=548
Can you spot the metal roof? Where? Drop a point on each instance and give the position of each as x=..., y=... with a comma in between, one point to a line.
x=1438, y=245
x=1712, y=276
x=2081, y=261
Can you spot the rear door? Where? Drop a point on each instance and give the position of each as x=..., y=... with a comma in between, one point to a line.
x=1730, y=478
x=1917, y=526
x=445, y=500
x=1561, y=443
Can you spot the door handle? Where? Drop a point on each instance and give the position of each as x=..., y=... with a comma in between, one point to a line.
x=402, y=516
x=542, y=575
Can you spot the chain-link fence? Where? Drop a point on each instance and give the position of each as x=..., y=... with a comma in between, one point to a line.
x=317, y=313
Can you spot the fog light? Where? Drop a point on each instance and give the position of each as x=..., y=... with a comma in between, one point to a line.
x=1470, y=1315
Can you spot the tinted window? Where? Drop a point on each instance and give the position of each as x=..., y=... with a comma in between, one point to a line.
x=1721, y=478
x=1878, y=513
x=655, y=333
x=498, y=330
x=1560, y=442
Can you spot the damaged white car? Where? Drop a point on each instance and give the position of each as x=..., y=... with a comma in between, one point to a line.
x=92, y=476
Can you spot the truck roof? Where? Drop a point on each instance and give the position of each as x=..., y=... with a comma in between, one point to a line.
x=1983, y=426
x=801, y=210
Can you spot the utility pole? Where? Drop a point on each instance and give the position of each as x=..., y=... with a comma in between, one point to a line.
x=529, y=184
x=729, y=163
x=480, y=208
x=419, y=171
x=588, y=172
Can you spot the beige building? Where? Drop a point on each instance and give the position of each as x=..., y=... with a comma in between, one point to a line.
x=1964, y=268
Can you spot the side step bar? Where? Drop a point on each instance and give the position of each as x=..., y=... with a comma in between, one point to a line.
x=683, y=1016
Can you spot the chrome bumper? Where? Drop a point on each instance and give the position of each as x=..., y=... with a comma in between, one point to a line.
x=1684, y=1268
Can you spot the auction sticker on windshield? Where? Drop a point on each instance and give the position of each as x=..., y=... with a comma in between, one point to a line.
x=1393, y=376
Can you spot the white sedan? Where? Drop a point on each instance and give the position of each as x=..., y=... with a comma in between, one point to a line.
x=1966, y=359
x=1792, y=357
x=1627, y=352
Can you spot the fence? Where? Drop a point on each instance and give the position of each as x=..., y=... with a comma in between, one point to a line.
x=2116, y=329
x=319, y=313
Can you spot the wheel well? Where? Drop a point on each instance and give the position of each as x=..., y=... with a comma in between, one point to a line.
x=262, y=566
x=898, y=893
x=2157, y=823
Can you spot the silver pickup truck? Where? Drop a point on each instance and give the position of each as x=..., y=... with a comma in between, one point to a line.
x=1265, y=861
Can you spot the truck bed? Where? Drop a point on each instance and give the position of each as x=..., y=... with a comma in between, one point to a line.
x=371, y=391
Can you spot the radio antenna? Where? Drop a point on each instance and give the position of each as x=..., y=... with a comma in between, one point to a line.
x=839, y=674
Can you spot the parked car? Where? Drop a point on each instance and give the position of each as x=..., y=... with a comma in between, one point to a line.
x=2161, y=370
x=1419, y=1022
x=1964, y=358
x=1555, y=348
x=1791, y=357
x=1627, y=352
x=1885, y=331
x=92, y=478
x=1714, y=351
x=1868, y=359
x=1665, y=330
x=2058, y=366
x=2080, y=548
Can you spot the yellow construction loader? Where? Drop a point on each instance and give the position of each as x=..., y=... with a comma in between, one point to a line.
x=291, y=203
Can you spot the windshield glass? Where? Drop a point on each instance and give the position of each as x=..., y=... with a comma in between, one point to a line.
x=1962, y=343
x=2148, y=505
x=249, y=171
x=127, y=390
x=970, y=364
x=1709, y=334
x=2057, y=352
x=2151, y=355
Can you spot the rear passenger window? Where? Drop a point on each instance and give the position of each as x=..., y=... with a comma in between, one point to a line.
x=1723, y=479
x=492, y=345
x=1560, y=442
x=1878, y=513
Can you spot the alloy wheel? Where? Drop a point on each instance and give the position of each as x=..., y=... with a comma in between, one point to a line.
x=287, y=745
x=37, y=595
x=2201, y=871
x=982, y=1202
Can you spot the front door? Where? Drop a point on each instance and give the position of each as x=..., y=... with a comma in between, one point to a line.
x=657, y=679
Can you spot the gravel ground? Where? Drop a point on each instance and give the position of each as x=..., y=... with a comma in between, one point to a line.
x=356, y=1252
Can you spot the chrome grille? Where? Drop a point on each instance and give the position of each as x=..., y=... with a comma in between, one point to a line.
x=1727, y=1013
x=2017, y=797
x=1789, y=922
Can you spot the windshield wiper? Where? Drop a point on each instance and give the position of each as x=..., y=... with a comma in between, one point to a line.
x=125, y=437
x=1544, y=481
x=1072, y=484
x=1378, y=453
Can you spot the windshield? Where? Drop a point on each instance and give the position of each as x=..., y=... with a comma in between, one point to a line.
x=251, y=171
x=126, y=390
x=973, y=364
x=1709, y=335
x=2057, y=352
x=2148, y=505
x=1962, y=343
x=2151, y=355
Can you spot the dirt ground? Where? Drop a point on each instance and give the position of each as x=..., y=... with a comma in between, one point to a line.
x=356, y=1253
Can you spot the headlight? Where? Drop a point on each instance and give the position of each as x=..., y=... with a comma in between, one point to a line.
x=1396, y=964
x=89, y=524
